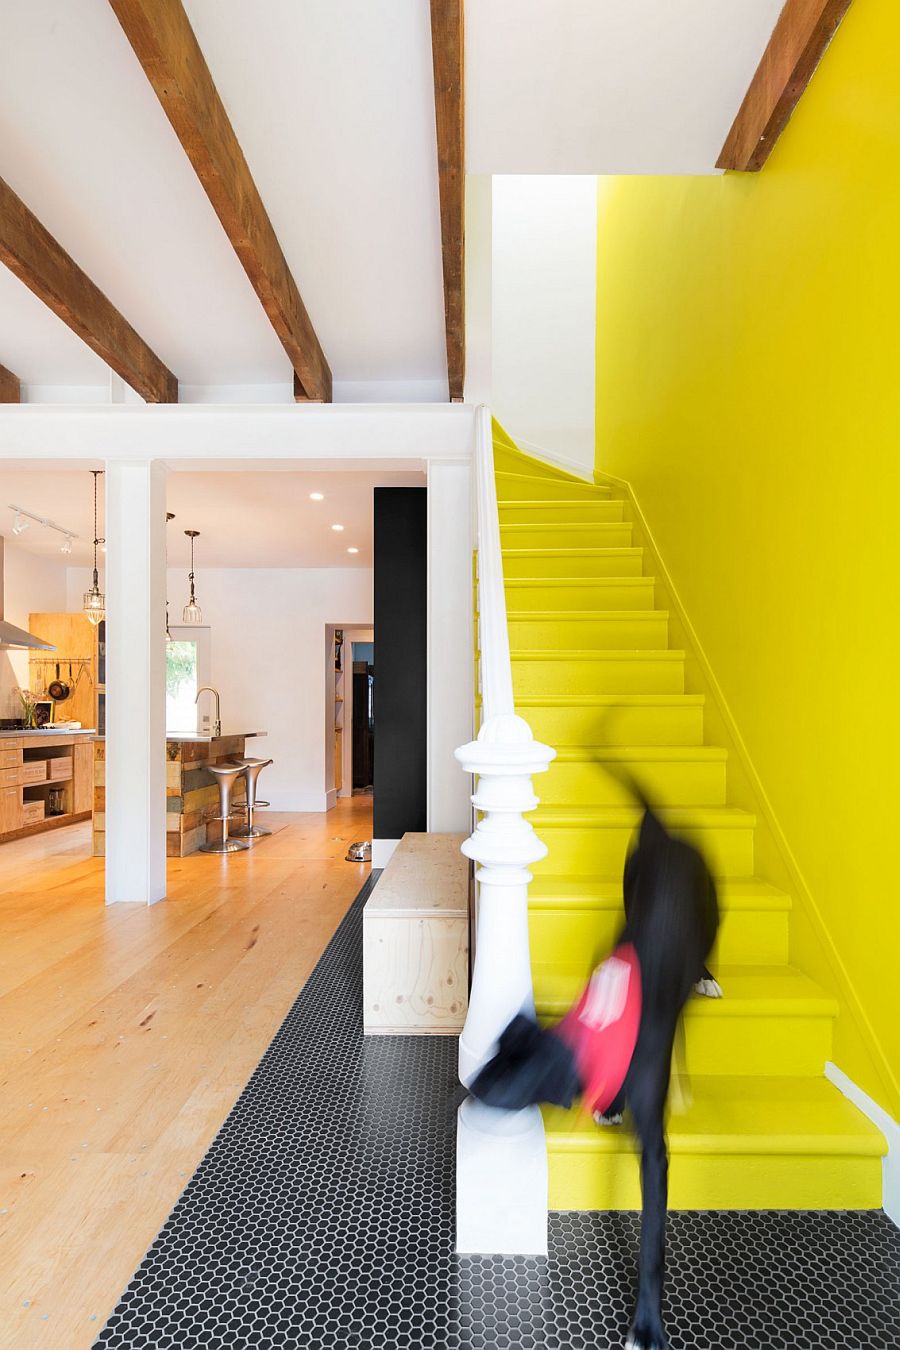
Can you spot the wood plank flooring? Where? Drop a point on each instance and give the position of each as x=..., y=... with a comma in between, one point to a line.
x=127, y=1034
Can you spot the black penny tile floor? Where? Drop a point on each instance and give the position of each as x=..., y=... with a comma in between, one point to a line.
x=322, y=1217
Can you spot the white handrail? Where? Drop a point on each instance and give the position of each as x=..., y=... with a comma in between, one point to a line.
x=501, y=1195
x=493, y=633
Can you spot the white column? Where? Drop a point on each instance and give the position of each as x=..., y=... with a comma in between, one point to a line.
x=479, y=267
x=135, y=681
x=451, y=657
x=501, y=1156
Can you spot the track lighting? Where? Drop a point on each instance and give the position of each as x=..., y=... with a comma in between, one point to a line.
x=66, y=545
x=20, y=524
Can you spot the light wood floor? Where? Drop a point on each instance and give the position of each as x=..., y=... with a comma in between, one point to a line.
x=127, y=1034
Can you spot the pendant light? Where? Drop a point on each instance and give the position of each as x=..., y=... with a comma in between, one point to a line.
x=192, y=612
x=94, y=604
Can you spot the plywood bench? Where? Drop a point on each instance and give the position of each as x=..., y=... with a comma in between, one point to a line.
x=416, y=940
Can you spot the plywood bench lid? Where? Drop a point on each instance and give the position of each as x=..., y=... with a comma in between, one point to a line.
x=426, y=875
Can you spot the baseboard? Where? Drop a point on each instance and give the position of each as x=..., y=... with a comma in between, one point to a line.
x=888, y=1127
x=305, y=802
x=382, y=852
x=864, y=1027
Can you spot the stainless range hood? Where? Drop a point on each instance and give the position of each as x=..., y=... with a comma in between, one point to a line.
x=11, y=637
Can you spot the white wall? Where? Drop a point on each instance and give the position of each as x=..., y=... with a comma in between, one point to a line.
x=268, y=660
x=543, y=314
x=33, y=586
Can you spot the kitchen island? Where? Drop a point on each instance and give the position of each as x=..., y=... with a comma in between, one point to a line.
x=192, y=797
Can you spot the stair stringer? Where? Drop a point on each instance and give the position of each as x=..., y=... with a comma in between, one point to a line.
x=811, y=945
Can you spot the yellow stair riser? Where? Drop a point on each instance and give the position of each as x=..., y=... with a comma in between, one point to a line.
x=576, y=937
x=624, y=673
x=757, y=1044
x=609, y=562
x=668, y=724
x=577, y=850
x=558, y=513
x=569, y=534
x=665, y=783
x=508, y=461
x=717, y=1181
x=614, y=632
x=524, y=488
x=603, y=593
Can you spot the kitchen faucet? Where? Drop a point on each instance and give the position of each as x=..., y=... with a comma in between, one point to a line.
x=217, y=725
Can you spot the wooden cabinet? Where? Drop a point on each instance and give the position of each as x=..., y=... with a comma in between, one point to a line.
x=10, y=809
x=45, y=766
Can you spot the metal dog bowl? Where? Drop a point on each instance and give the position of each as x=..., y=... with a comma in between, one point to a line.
x=360, y=852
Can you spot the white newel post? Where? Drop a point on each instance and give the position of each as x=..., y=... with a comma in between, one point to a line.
x=135, y=581
x=501, y=1156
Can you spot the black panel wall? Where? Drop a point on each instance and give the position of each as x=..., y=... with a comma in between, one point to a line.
x=401, y=612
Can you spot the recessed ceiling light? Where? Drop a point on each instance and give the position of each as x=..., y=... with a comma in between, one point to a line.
x=352, y=550
x=317, y=496
x=337, y=527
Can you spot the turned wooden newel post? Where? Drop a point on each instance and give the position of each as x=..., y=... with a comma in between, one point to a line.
x=501, y=1156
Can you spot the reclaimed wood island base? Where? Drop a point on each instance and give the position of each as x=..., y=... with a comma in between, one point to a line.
x=192, y=797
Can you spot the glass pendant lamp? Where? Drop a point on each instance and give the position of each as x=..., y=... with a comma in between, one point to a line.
x=192, y=612
x=94, y=603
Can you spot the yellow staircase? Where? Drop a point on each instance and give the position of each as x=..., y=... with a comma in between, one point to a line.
x=594, y=676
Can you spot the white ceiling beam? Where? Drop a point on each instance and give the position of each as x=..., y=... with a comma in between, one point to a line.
x=328, y=436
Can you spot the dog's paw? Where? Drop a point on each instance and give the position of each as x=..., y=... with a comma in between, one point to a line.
x=647, y=1339
x=709, y=988
x=601, y=1119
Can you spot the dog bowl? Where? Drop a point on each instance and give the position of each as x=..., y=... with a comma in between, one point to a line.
x=360, y=852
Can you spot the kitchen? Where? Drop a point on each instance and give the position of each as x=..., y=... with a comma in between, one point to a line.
x=263, y=570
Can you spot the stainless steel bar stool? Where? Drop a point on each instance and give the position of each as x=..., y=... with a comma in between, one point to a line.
x=226, y=775
x=252, y=768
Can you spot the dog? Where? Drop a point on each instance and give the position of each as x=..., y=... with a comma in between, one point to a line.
x=614, y=1049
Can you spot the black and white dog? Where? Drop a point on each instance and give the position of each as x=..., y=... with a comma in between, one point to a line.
x=671, y=920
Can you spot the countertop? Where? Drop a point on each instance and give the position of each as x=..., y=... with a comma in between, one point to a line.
x=33, y=735
x=186, y=737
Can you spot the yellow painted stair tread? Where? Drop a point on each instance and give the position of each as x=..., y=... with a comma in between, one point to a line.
x=738, y=893
x=620, y=817
x=750, y=991
x=727, y=1114
x=597, y=653
x=621, y=754
x=595, y=551
x=611, y=700
x=595, y=615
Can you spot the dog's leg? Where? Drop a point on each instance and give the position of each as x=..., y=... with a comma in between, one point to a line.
x=707, y=985
x=647, y=1102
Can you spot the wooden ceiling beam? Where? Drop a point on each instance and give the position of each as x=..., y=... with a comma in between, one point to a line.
x=447, y=53
x=10, y=388
x=46, y=269
x=163, y=41
x=797, y=45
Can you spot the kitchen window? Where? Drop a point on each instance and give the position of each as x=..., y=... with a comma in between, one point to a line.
x=187, y=669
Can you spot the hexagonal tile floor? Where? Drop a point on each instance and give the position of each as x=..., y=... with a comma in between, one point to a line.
x=322, y=1217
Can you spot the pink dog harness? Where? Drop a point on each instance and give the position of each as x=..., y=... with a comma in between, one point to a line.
x=602, y=1028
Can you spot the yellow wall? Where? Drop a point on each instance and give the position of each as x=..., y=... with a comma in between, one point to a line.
x=748, y=387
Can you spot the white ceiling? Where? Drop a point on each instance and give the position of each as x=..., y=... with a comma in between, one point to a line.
x=333, y=105
x=332, y=101
x=244, y=519
x=607, y=86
